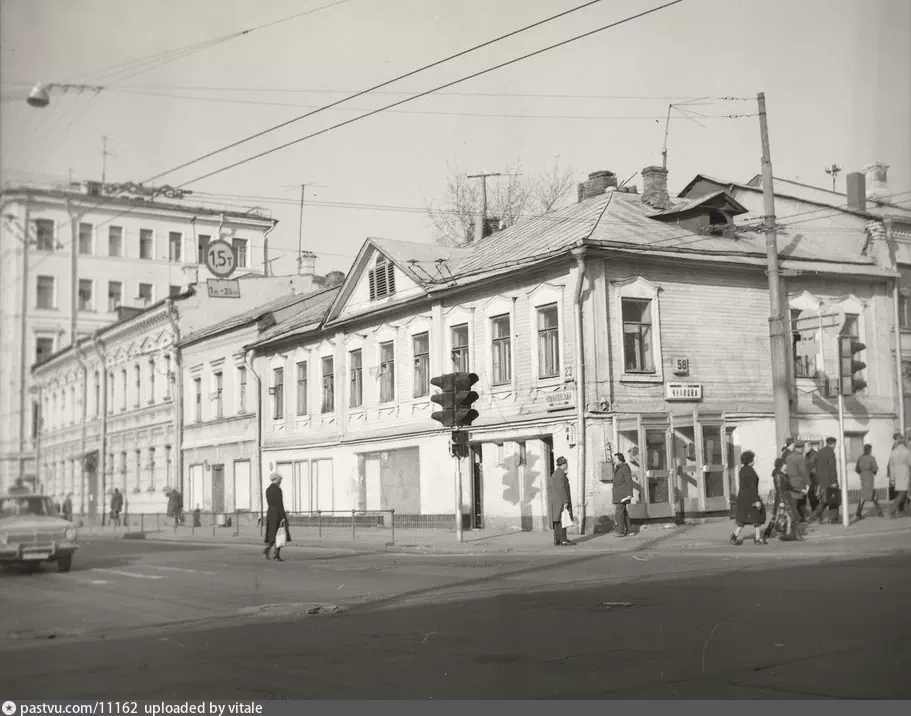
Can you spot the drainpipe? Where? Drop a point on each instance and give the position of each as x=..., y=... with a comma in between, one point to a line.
x=23, y=341
x=80, y=359
x=174, y=318
x=896, y=308
x=579, y=255
x=102, y=462
x=266, y=233
x=248, y=361
x=40, y=417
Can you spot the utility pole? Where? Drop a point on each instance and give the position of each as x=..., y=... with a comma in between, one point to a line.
x=479, y=225
x=74, y=272
x=23, y=338
x=300, y=224
x=777, y=333
x=833, y=172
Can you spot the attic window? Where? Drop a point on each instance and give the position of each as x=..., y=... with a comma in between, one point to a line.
x=716, y=218
x=382, y=279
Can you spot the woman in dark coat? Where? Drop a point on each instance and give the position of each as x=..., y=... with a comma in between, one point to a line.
x=867, y=469
x=275, y=516
x=749, y=507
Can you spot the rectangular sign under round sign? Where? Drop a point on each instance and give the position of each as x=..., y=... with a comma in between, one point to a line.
x=223, y=288
x=683, y=391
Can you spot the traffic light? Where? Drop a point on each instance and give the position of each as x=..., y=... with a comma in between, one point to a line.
x=460, y=443
x=848, y=347
x=455, y=399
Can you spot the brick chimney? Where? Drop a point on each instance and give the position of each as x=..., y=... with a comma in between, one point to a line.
x=877, y=185
x=654, y=187
x=857, y=192
x=598, y=183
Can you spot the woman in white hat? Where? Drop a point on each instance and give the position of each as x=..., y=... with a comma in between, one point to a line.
x=276, y=517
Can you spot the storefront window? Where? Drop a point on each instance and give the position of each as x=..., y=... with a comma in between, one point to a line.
x=712, y=461
x=656, y=466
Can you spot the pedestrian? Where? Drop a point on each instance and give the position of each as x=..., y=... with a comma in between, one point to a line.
x=827, y=477
x=813, y=491
x=68, y=507
x=276, y=517
x=750, y=510
x=175, y=506
x=559, y=499
x=892, y=492
x=116, y=507
x=900, y=469
x=784, y=510
x=799, y=476
x=622, y=494
x=867, y=469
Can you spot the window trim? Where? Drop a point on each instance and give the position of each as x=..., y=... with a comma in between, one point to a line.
x=53, y=302
x=327, y=407
x=425, y=333
x=120, y=302
x=380, y=344
x=119, y=255
x=237, y=254
x=90, y=304
x=500, y=306
x=151, y=256
x=546, y=296
x=53, y=225
x=297, y=388
x=91, y=235
x=351, y=372
x=458, y=316
x=278, y=410
x=638, y=288
x=175, y=257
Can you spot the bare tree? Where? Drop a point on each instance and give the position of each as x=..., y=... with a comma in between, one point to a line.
x=510, y=197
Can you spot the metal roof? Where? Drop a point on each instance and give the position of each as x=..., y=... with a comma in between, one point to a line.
x=699, y=201
x=310, y=313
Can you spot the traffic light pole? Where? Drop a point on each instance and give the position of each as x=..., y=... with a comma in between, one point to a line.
x=458, y=498
x=843, y=455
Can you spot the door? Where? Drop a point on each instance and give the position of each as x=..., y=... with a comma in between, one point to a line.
x=324, y=485
x=686, y=469
x=194, y=488
x=286, y=470
x=372, y=483
x=716, y=492
x=302, y=500
x=477, y=487
x=218, y=488
x=243, y=494
x=657, y=476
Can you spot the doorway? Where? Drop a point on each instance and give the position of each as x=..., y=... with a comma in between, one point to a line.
x=477, y=483
x=218, y=488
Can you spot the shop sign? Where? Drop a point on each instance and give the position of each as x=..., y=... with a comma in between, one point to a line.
x=560, y=400
x=683, y=391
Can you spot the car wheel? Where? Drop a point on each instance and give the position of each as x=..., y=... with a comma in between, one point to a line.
x=64, y=564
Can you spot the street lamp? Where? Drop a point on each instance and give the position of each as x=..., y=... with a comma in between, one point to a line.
x=40, y=96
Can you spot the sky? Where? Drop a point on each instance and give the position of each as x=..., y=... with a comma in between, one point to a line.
x=836, y=75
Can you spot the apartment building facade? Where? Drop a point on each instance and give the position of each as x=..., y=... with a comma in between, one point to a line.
x=75, y=256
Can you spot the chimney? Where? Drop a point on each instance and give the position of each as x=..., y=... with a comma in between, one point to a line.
x=306, y=264
x=598, y=183
x=654, y=187
x=857, y=193
x=334, y=278
x=93, y=188
x=877, y=186
x=491, y=225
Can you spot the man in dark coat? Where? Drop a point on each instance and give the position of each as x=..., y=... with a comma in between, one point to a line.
x=175, y=506
x=558, y=499
x=796, y=463
x=623, y=494
x=826, y=478
x=275, y=516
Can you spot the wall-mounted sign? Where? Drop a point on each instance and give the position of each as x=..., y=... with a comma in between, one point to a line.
x=681, y=365
x=560, y=399
x=220, y=259
x=222, y=288
x=683, y=391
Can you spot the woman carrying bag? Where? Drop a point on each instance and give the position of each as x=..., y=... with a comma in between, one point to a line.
x=750, y=510
x=277, y=532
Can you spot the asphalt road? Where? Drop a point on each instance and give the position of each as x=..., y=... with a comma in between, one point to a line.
x=137, y=620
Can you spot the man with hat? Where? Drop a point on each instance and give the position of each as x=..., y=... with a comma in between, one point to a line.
x=558, y=499
x=276, y=517
x=796, y=465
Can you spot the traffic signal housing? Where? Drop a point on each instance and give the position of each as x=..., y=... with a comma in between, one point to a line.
x=455, y=399
x=848, y=366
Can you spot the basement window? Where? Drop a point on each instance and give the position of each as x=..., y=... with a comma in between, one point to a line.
x=382, y=279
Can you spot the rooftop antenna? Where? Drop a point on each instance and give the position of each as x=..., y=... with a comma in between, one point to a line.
x=833, y=172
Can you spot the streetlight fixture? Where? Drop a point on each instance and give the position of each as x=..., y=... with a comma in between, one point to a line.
x=40, y=96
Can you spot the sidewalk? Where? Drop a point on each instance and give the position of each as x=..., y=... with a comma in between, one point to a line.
x=654, y=537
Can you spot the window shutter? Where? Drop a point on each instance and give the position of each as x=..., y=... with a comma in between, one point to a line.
x=390, y=279
x=372, y=277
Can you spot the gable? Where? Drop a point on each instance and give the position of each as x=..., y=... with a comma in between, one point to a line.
x=377, y=282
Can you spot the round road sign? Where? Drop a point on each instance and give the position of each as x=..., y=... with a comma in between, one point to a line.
x=220, y=259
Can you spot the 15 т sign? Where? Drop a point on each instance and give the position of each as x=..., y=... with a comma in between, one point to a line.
x=220, y=259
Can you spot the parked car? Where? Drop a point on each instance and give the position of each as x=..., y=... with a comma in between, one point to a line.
x=32, y=532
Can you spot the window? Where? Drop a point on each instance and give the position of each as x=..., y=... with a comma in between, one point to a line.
x=137, y=372
x=36, y=419
x=175, y=239
x=115, y=295
x=46, y=292
x=85, y=238
x=145, y=292
x=804, y=362
x=173, y=291
x=356, y=394
x=44, y=348
x=123, y=465
x=151, y=380
x=421, y=347
x=85, y=295
x=145, y=244
x=44, y=235
x=115, y=241
x=501, y=350
x=459, y=337
x=382, y=279
x=851, y=326
x=278, y=393
x=219, y=403
x=638, y=353
x=138, y=467
x=123, y=382
x=167, y=465
x=97, y=394
x=387, y=372
x=203, y=246
x=167, y=377
x=328, y=365
x=197, y=400
x=302, y=388
x=73, y=404
x=111, y=397
x=151, y=467
x=854, y=447
x=241, y=390
x=240, y=252
x=548, y=342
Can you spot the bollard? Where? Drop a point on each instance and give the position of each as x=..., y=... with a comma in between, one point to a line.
x=158, y=522
x=392, y=512
x=319, y=522
x=142, y=522
x=353, y=536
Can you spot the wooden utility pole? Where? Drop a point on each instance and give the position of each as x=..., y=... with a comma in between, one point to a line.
x=833, y=172
x=482, y=215
x=778, y=334
x=300, y=225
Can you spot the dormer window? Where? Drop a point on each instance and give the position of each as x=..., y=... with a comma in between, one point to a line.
x=382, y=279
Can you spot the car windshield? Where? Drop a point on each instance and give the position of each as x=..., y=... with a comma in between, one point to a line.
x=16, y=506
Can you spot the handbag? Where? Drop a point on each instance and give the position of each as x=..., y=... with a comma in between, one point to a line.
x=833, y=496
x=281, y=535
x=566, y=519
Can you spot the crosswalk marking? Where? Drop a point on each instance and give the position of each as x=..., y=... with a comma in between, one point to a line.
x=176, y=569
x=134, y=575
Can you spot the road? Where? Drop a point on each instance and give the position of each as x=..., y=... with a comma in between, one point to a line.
x=144, y=620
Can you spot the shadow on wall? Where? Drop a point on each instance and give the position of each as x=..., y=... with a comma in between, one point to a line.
x=521, y=480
